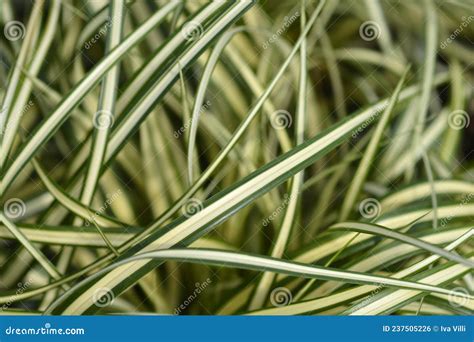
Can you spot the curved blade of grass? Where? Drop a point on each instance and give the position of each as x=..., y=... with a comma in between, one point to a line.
x=386, y=302
x=201, y=92
x=70, y=203
x=387, y=254
x=7, y=297
x=416, y=192
x=361, y=55
x=349, y=295
x=395, y=220
x=434, y=199
x=379, y=230
x=89, y=237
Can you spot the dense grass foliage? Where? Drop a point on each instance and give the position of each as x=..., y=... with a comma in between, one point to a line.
x=268, y=157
